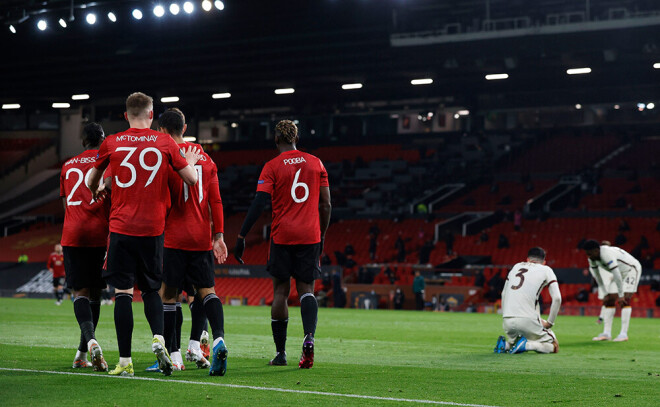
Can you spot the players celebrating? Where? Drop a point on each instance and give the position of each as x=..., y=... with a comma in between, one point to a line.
x=617, y=274
x=524, y=328
x=296, y=182
x=84, y=237
x=139, y=159
x=190, y=247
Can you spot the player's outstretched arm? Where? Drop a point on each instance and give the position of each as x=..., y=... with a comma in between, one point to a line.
x=188, y=173
x=325, y=210
x=256, y=208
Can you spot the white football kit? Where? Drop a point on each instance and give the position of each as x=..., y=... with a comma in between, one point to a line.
x=520, y=302
x=616, y=272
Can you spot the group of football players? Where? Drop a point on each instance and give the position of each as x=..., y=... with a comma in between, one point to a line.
x=143, y=209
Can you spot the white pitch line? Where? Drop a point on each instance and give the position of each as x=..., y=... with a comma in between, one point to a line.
x=241, y=386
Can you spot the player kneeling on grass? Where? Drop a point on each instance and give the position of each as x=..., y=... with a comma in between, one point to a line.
x=298, y=184
x=84, y=237
x=524, y=328
x=189, y=250
x=617, y=273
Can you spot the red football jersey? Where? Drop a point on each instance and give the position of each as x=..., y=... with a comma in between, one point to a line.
x=188, y=225
x=294, y=180
x=56, y=263
x=85, y=221
x=139, y=160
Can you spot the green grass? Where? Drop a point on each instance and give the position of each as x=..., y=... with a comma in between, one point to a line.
x=399, y=354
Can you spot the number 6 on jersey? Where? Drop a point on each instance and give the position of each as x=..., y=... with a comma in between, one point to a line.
x=297, y=185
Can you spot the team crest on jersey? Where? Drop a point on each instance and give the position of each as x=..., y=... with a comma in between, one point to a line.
x=294, y=160
x=181, y=152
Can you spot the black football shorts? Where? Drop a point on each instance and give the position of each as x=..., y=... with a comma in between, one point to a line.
x=183, y=268
x=84, y=267
x=300, y=261
x=134, y=259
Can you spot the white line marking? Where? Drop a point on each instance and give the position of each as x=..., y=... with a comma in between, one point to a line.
x=241, y=386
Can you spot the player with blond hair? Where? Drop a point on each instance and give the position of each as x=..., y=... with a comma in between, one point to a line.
x=139, y=159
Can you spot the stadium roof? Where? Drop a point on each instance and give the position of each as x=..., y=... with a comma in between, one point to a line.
x=253, y=47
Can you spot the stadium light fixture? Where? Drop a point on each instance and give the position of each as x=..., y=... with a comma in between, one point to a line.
x=225, y=95
x=58, y=105
x=91, y=18
x=219, y=5
x=62, y=23
x=42, y=25
x=496, y=76
x=284, y=91
x=112, y=17
x=578, y=106
x=12, y=29
x=188, y=7
x=234, y=125
x=82, y=96
x=137, y=14
x=650, y=105
x=656, y=65
x=174, y=8
x=10, y=106
x=617, y=107
x=169, y=99
x=207, y=5
x=348, y=86
x=578, y=71
x=456, y=116
x=425, y=81
x=159, y=11
x=463, y=112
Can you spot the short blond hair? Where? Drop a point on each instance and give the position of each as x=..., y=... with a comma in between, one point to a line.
x=288, y=130
x=138, y=104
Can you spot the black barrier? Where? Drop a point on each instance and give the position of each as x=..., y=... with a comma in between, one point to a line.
x=257, y=271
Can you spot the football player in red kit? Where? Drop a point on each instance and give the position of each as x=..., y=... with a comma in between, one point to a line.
x=190, y=246
x=139, y=159
x=55, y=265
x=297, y=184
x=84, y=237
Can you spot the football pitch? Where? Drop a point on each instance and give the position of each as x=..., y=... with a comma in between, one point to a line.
x=396, y=358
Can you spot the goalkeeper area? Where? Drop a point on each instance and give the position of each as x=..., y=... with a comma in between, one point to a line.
x=363, y=357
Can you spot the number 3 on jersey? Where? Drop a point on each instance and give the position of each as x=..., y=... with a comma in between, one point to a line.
x=198, y=168
x=297, y=185
x=520, y=275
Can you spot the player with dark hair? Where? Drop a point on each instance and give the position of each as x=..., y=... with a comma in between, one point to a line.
x=84, y=237
x=617, y=273
x=139, y=159
x=297, y=183
x=55, y=265
x=190, y=247
x=522, y=323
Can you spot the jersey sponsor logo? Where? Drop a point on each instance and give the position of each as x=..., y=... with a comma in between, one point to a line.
x=181, y=152
x=610, y=262
x=130, y=138
x=82, y=160
x=261, y=181
x=294, y=160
